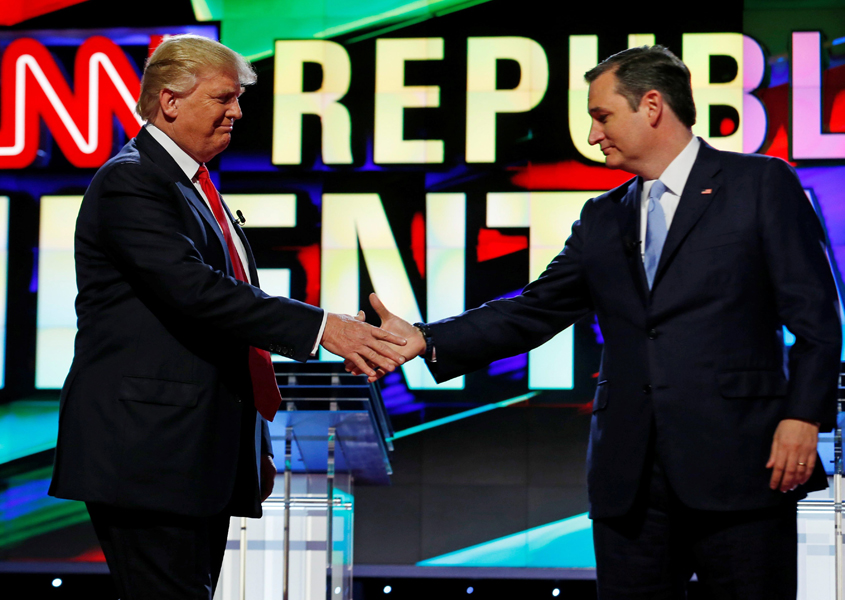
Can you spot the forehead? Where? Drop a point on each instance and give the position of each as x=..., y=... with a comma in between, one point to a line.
x=219, y=81
x=603, y=94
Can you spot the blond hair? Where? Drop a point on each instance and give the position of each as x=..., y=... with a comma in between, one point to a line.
x=179, y=61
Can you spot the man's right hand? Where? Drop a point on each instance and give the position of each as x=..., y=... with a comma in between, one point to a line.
x=396, y=325
x=365, y=347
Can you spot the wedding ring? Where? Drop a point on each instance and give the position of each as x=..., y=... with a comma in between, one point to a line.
x=802, y=464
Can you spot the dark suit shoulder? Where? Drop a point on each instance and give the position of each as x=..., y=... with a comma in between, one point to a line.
x=130, y=172
x=739, y=164
x=616, y=194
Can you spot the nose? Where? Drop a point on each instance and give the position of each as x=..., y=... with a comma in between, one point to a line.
x=234, y=111
x=596, y=134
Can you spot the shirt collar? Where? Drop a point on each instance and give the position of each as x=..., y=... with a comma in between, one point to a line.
x=182, y=158
x=676, y=174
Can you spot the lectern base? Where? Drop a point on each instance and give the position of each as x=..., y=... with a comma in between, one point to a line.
x=309, y=576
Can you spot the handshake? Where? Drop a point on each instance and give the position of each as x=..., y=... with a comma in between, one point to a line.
x=368, y=350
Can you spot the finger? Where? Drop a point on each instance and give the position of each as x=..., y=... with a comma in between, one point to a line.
x=776, y=464
x=805, y=470
x=790, y=479
x=384, y=361
x=379, y=374
x=392, y=338
x=350, y=367
x=362, y=366
x=771, y=462
x=361, y=316
x=380, y=308
x=386, y=351
x=790, y=471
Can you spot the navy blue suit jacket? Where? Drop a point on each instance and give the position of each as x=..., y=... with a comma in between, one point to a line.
x=700, y=355
x=157, y=411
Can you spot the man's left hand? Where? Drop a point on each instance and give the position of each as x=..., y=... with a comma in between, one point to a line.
x=793, y=455
x=268, y=476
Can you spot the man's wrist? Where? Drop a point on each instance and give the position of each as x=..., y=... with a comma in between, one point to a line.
x=425, y=332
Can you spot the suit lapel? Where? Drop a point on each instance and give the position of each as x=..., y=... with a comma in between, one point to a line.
x=628, y=216
x=701, y=187
x=147, y=144
x=192, y=196
x=253, y=272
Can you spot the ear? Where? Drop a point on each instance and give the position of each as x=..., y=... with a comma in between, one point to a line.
x=652, y=104
x=168, y=102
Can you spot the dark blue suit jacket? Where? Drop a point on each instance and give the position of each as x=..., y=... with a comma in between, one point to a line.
x=701, y=354
x=157, y=410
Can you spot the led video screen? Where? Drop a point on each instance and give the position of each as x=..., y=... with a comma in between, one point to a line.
x=436, y=155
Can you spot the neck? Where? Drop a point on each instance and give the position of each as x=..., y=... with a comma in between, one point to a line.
x=166, y=127
x=666, y=151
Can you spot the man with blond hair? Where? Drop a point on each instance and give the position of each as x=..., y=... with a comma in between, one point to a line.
x=163, y=420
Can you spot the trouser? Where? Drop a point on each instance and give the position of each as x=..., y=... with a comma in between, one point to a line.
x=161, y=556
x=653, y=550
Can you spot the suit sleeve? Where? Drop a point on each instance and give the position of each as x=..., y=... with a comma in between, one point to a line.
x=143, y=232
x=805, y=293
x=506, y=327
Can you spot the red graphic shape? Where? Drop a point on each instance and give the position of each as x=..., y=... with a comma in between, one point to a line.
x=492, y=244
x=568, y=175
x=418, y=242
x=309, y=258
x=92, y=555
x=15, y=11
x=837, y=113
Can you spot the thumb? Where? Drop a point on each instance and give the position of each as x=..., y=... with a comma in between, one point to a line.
x=381, y=309
x=361, y=316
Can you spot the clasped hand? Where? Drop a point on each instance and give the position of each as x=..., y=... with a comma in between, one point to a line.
x=396, y=326
x=368, y=348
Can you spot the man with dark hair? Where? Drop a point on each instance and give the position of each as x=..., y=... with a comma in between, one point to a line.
x=700, y=444
x=163, y=420
x=639, y=70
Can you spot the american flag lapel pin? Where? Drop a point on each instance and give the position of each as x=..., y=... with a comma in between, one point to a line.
x=707, y=191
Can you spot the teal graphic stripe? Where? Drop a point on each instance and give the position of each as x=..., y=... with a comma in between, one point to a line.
x=462, y=415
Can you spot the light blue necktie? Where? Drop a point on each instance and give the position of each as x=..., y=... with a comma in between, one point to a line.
x=655, y=235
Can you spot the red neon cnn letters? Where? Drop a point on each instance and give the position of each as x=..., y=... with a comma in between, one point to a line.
x=32, y=86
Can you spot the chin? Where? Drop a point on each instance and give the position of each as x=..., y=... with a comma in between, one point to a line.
x=612, y=163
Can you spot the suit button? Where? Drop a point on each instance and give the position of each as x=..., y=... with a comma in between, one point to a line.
x=652, y=334
x=647, y=388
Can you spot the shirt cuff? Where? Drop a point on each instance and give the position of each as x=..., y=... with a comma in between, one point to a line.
x=320, y=334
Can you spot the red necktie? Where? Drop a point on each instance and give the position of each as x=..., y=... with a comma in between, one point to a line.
x=264, y=388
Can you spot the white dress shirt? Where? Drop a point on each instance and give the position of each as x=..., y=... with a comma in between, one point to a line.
x=190, y=167
x=674, y=178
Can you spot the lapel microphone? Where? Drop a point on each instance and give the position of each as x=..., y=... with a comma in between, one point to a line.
x=240, y=220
